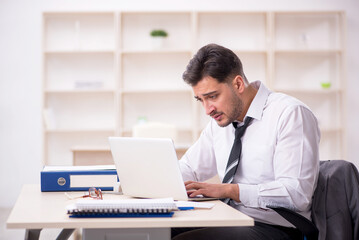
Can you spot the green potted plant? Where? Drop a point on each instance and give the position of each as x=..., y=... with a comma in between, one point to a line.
x=158, y=37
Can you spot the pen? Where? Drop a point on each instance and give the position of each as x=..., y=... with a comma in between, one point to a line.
x=185, y=208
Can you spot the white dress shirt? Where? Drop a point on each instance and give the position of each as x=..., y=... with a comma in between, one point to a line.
x=279, y=162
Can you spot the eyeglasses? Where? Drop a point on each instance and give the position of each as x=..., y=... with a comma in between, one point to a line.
x=92, y=193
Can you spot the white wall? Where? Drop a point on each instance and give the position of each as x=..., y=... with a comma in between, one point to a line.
x=21, y=72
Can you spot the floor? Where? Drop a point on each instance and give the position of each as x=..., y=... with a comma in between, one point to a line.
x=15, y=234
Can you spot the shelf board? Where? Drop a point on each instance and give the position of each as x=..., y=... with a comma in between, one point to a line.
x=308, y=51
x=49, y=14
x=250, y=51
x=101, y=51
x=68, y=130
x=90, y=149
x=179, y=129
x=330, y=129
x=143, y=91
x=151, y=51
x=79, y=91
x=308, y=91
x=310, y=12
x=75, y=91
x=214, y=12
x=107, y=149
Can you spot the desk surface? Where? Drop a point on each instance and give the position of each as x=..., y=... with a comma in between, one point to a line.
x=35, y=209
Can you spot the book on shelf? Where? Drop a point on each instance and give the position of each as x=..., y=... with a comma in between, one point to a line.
x=83, y=208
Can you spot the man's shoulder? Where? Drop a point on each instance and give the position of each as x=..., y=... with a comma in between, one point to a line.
x=283, y=101
x=282, y=106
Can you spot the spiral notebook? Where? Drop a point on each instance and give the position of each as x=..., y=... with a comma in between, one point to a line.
x=164, y=207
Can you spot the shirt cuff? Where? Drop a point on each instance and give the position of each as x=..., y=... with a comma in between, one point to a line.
x=248, y=195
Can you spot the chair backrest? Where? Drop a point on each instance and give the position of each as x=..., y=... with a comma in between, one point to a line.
x=335, y=208
x=306, y=227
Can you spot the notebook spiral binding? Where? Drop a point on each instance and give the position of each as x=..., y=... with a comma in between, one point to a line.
x=116, y=213
x=119, y=210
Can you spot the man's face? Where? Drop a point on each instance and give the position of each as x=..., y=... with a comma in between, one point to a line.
x=219, y=100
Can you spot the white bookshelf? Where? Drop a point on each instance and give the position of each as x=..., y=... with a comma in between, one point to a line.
x=308, y=51
x=102, y=72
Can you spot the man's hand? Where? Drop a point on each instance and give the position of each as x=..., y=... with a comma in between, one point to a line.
x=212, y=190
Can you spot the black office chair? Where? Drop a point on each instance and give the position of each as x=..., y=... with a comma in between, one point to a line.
x=308, y=228
x=335, y=207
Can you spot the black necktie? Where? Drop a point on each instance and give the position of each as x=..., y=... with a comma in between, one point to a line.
x=235, y=155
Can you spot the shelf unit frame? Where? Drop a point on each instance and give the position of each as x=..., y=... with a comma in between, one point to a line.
x=116, y=27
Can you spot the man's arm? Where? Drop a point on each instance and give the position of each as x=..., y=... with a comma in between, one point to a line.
x=295, y=164
x=199, y=163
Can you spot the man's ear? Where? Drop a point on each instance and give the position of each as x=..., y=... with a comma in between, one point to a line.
x=238, y=84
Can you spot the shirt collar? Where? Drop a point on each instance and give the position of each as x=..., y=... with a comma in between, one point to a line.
x=256, y=108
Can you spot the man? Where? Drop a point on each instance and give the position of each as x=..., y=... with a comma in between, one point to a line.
x=278, y=160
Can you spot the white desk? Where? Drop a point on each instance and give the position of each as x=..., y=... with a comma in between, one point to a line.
x=35, y=210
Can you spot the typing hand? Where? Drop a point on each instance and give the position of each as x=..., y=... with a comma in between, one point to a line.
x=212, y=190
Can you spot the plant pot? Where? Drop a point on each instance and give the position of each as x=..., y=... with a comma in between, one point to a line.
x=158, y=42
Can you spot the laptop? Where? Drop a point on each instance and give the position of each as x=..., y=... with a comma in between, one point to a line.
x=148, y=167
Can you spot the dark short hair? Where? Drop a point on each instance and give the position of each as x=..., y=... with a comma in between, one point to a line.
x=215, y=61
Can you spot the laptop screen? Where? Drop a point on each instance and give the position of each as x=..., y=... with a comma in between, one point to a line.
x=148, y=167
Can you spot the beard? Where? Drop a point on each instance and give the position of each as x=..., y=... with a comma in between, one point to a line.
x=236, y=109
